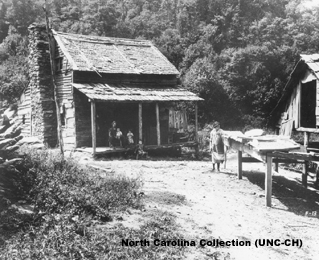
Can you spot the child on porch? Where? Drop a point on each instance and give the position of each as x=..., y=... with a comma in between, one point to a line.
x=130, y=137
x=112, y=135
x=119, y=135
x=139, y=151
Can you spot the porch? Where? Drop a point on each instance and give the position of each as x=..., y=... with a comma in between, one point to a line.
x=146, y=112
x=100, y=151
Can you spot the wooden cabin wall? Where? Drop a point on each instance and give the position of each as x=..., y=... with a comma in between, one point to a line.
x=82, y=108
x=141, y=80
x=291, y=116
x=63, y=78
x=317, y=102
x=149, y=123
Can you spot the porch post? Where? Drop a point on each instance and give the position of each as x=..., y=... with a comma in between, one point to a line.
x=305, y=166
x=196, y=132
x=196, y=122
x=240, y=165
x=158, y=126
x=140, y=124
x=93, y=125
x=268, y=180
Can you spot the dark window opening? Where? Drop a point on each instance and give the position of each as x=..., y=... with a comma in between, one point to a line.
x=58, y=64
x=23, y=119
x=308, y=105
x=62, y=115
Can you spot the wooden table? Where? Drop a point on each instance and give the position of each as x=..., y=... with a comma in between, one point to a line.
x=264, y=149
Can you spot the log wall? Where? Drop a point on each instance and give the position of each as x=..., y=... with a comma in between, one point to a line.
x=63, y=79
x=142, y=80
x=82, y=120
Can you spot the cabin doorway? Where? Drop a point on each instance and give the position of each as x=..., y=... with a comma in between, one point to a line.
x=308, y=105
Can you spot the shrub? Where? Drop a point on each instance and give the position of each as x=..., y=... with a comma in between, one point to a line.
x=57, y=185
x=69, y=201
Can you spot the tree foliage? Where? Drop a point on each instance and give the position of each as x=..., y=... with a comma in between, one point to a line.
x=235, y=54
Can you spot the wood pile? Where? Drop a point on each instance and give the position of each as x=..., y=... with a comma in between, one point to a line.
x=10, y=135
x=11, y=139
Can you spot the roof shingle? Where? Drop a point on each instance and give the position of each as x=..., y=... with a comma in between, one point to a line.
x=113, y=55
x=131, y=93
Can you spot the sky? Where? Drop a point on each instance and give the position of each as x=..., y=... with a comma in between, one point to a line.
x=311, y=3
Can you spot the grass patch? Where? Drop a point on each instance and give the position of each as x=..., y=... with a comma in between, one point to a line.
x=60, y=238
x=55, y=186
x=71, y=207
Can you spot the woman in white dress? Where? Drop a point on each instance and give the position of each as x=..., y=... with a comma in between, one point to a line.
x=217, y=145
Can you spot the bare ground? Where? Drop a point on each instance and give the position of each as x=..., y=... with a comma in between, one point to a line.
x=211, y=205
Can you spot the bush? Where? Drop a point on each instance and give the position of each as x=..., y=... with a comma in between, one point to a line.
x=69, y=201
x=57, y=185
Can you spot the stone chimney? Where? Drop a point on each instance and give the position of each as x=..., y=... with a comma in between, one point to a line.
x=43, y=111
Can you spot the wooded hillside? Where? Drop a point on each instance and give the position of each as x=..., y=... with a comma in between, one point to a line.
x=236, y=54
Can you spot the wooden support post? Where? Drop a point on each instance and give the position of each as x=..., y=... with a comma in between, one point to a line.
x=240, y=165
x=140, y=123
x=225, y=156
x=305, y=174
x=306, y=139
x=276, y=166
x=196, y=131
x=158, y=126
x=305, y=166
x=268, y=180
x=196, y=122
x=93, y=126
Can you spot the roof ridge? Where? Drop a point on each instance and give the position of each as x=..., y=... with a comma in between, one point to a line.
x=105, y=40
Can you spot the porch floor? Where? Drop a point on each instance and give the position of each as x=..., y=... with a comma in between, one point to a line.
x=108, y=150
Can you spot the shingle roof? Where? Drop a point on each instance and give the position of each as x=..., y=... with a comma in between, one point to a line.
x=113, y=55
x=306, y=62
x=131, y=92
x=312, y=61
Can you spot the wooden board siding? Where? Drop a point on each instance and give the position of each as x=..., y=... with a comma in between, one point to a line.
x=142, y=80
x=82, y=120
x=63, y=79
x=317, y=103
x=291, y=116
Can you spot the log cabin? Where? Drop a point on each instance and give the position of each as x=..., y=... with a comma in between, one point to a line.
x=100, y=80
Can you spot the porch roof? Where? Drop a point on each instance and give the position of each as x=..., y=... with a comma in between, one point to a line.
x=134, y=92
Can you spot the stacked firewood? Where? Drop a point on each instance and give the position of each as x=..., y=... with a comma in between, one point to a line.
x=10, y=135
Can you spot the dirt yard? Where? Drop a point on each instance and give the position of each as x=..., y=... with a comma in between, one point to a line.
x=216, y=205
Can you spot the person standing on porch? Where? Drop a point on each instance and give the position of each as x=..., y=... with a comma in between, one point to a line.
x=130, y=137
x=217, y=145
x=112, y=135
